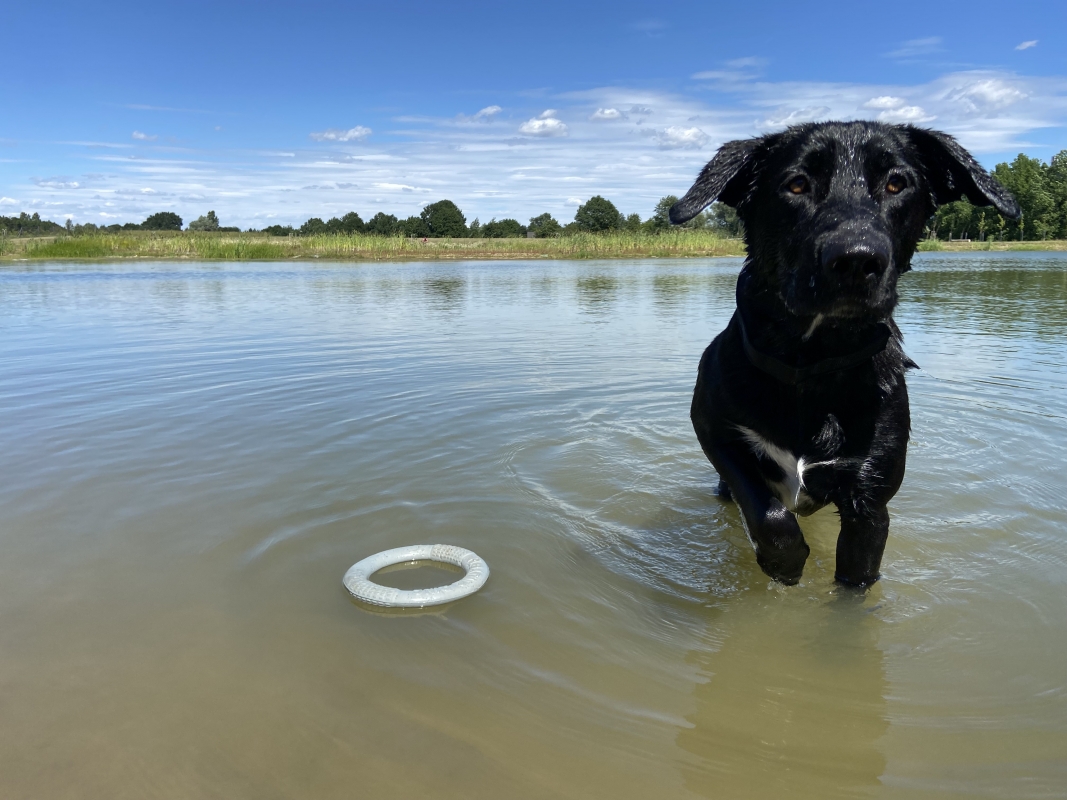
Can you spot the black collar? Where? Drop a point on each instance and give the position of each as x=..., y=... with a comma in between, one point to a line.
x=794, y=375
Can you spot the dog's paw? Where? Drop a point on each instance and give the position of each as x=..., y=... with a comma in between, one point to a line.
x=785, y=566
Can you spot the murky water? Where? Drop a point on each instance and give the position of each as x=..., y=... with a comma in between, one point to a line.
x=192, y=456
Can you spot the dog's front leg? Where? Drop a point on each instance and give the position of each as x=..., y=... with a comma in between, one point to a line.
x=861, y=544
x=773, y=530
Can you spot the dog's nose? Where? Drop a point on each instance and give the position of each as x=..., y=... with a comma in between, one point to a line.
x=855, y=259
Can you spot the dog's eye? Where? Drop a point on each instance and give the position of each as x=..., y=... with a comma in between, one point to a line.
x=896, y=184
x=798, y=185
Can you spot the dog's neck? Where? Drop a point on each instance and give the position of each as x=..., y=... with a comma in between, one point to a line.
x=774, y=335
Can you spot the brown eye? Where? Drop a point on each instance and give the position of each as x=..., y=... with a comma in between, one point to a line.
x=798, y=185
x=895, y=185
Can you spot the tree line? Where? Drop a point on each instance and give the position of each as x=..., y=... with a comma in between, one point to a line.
x=1039, y=188
x=444, y=219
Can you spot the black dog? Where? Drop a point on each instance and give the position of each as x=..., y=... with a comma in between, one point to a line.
x=801, y=401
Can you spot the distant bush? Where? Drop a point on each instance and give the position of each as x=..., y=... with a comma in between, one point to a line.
x=545, y=225
x=208, y=222
x=414, y=226
x=27, y=225
x=163, y=221
x=502, y=229
x=382, y=224
x=313, y=226
x=279, y=230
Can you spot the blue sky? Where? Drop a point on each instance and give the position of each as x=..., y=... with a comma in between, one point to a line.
x=274, y=112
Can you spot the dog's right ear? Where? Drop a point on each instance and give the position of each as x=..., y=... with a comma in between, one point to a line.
x=726, y=178
x=954, y=174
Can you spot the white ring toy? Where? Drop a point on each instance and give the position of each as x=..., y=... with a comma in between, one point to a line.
x=360, y=586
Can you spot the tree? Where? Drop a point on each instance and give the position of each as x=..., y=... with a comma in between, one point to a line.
x=206, y=223
x=724, y=219
x=661, y=219
x=382, y=225
x=313, y=226
x=414, y=226
x=444, y=219
x=598, y=215
x=163, y=221
x=544, y=226
x=474, y=230
x=279, y=230
x=1026, y=179
x=503, y=229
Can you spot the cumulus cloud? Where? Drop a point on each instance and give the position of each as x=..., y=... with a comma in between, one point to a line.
x=356, y=134
x=678, y=138
x=8, y=201
x=640, y=110
x=488, y=112
x=985, y=96
x=545, y=125
x=144, y=137
x=606, y=114
x=1026, y=45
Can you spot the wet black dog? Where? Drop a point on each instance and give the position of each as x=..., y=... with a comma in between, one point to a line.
x=801, y=401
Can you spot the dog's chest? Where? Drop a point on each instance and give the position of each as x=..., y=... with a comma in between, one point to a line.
x=784, y=472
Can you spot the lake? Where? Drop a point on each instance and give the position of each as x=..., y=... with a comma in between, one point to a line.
x=194, y=453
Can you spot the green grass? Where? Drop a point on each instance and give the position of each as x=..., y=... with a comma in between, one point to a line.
x=248, y=246
x=260, y=247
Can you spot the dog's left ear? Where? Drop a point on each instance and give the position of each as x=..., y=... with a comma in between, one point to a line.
x=724, y=178
x=954, y=174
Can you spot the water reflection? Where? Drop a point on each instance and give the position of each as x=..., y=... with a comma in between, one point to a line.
x=792, y=702
x=596, y=293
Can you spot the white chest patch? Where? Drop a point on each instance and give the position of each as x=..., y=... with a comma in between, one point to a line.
x=790, y=489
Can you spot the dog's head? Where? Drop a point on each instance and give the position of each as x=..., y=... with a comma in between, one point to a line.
x=833, y=211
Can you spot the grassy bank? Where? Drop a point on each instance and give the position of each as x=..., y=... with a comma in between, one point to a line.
x=251, y=246
x=936, y=246
x=260, y=247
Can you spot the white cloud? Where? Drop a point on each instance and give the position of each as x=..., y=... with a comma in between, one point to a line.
x=144, y=137
x=885, y=101
x=985, y=96
x=355, y=134
x=548, y=113
x=56, y=183
x=676, y=137
x=544, y=126
x=905, y=114
x=491, y=170
x=784, y=117
x=398, y=187
x=606, y=114
x=1026, y=45
x=8, y=201
x=488, y=112
x=913, y=48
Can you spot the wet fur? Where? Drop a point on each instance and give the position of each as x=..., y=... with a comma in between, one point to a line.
x=820, y=282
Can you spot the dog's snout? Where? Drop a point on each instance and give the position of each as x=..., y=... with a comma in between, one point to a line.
x=855, y=259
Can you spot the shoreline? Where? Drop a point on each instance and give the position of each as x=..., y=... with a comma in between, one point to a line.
x=356, y=248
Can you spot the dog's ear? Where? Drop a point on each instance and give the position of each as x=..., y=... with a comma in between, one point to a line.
x=953, y=174
x=724, y=178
